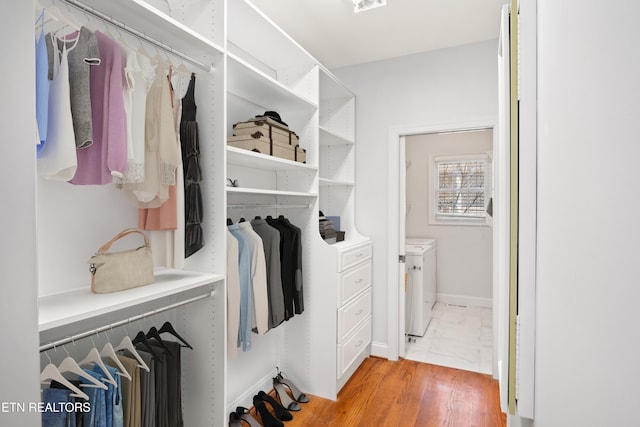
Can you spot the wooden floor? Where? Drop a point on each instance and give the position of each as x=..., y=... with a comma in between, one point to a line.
x=407, y=393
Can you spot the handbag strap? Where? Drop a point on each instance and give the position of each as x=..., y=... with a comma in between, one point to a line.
x=104, y=248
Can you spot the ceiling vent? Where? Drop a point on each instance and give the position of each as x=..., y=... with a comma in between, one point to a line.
x=362, y=5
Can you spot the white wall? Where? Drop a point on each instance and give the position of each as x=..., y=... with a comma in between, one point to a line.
x=587, y=348
x=18, y=312
x=458, y=245
x=431, y=89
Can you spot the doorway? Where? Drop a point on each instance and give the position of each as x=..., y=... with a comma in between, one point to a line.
x=448, y=187
x=459, y=301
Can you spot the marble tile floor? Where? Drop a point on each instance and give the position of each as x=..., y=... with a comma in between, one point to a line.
x=457, y=337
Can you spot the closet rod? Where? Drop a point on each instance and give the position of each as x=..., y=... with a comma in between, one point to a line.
x=88, y=9
x=101, y=329
x=267, y=206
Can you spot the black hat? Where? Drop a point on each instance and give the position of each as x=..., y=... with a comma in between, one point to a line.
x=274, y=115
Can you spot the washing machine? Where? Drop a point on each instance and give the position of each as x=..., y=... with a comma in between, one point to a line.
x=420, y=265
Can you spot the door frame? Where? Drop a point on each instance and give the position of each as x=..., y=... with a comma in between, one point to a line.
x=395, y=218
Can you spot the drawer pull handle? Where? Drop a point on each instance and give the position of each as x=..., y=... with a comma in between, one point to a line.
x=359, y=255
x=360, y=280
x=359, y=343
x=360, y=312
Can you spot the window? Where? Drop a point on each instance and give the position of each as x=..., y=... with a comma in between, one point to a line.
x=460, y=190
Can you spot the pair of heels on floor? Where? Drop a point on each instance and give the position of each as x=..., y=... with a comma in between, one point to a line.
x=280, y=383
x=268, y=420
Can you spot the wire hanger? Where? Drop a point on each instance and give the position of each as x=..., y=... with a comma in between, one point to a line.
x=51, y=373
x=70, y=365
x=127, y=344
x=94, y=357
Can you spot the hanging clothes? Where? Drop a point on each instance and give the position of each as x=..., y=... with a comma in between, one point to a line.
x=106, y=157
x=233, y=296
x=260, y=316
x=57, y=160
x=162, y=154
x=84, y=53
x=130, y=392
x=42, y=85
x=287, y=243
x=166, y=222
x=298, y=297
x=244, y=272
x=190, y=144
x=271, y=243
x=139, y=75
x=54, y=398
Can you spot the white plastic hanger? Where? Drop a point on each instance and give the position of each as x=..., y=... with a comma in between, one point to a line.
x=109, y=351
x=70, y=365
x=127, y=344
x=51, y=372
x=94, y=357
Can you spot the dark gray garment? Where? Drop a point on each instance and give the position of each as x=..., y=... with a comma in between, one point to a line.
x=82, y=53
x=296, y=233
x=271, y=242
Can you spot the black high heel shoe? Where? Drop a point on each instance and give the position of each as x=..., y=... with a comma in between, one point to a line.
x=267, y=419
x=297, y=394
x=281, y=411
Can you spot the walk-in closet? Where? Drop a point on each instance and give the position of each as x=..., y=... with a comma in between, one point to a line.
x=234, y=75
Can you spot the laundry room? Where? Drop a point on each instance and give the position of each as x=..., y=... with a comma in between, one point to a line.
x=448, y=225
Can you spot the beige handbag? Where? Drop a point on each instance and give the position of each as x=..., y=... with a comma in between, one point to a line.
x=117, y=271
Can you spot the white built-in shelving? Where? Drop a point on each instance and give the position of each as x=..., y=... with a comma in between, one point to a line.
x=245, y=65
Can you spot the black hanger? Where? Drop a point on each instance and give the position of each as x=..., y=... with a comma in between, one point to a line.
x=167, y=327
x=257, y=217
x=269, y=217
x=142, y=339
x=153, y=333
x=242, y=220
x=229, y=222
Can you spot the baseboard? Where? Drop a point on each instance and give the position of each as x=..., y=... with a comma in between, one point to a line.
x=246, y=399
x=379, y=349
x=464, y=300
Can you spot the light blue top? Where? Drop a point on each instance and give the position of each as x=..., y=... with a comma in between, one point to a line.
x=244, y=268
x=42, y=85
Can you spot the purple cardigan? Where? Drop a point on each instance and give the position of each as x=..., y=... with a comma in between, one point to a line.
x=107, y=156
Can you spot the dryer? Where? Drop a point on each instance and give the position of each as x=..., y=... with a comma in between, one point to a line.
x=420, y=265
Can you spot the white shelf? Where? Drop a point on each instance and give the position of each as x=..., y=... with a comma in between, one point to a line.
x=263, y=192
x=329, y=138
x=239, y=157
x=334, y=182
x=144, y=18
x=247, y=82
x=81, y=304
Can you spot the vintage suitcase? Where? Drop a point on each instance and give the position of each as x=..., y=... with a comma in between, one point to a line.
x=267, y=127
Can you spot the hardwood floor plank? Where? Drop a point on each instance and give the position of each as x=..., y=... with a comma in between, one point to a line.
x=407, y=393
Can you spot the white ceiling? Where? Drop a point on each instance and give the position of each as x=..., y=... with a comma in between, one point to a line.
x=337, y=37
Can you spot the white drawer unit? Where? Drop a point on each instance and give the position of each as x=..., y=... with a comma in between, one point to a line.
x=353, y=256
x=353, y=281
x=352, y=348
x=351, y=314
